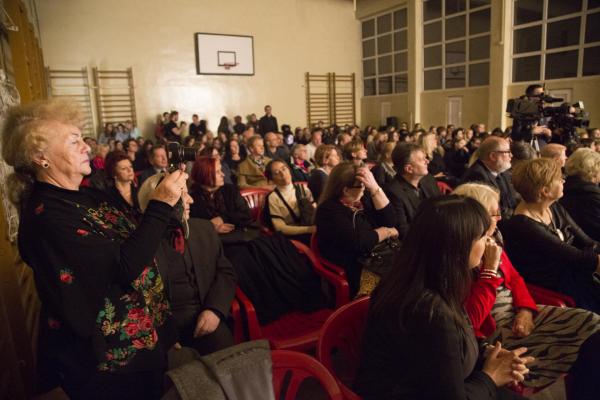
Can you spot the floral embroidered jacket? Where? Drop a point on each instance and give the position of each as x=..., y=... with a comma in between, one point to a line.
x=103, y=303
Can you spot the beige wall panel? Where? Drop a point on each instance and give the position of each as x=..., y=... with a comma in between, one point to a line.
x=371, y=108
x=474, y=106
x=367, y=8
x=584, y=89
x=156, y=38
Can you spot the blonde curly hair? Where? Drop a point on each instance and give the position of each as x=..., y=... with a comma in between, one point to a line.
x=25, y=133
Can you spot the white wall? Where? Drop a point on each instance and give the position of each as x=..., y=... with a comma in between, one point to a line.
x=156, y=38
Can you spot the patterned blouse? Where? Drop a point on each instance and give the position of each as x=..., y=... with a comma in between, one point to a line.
x=103, y=303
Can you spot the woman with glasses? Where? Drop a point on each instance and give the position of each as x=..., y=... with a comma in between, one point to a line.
x=501, y=308
x=547, y=247
x=350, y=224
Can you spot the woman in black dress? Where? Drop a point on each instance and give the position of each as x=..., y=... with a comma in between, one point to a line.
x=350, y=224
x=418, y=343
x=105, y=321
x=544, y=243
x=122, y=186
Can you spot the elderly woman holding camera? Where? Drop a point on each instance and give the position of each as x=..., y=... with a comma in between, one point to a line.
x=582, y=193
x=105, y=320
x=546, y=246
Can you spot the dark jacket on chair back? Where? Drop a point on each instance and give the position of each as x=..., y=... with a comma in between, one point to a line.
x=582, y=201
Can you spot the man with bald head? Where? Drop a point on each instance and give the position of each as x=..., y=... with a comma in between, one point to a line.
x=274, y=148
x=492, y=167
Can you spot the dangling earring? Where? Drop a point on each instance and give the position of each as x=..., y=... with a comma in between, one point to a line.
x=45, y=164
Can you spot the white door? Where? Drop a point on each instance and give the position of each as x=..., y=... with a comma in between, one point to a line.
x=454, y=111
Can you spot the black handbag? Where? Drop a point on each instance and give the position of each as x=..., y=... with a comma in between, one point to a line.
x=381, y=257
x=305, y=205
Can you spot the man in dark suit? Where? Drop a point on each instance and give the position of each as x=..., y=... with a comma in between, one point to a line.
x=267, y=123
x=411, y=185
x=159, y=162
x=492, y=167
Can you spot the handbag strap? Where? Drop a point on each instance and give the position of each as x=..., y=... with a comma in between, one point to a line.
x=285, y=203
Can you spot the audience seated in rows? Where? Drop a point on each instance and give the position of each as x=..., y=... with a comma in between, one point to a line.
x=501, y=308
x=384, y=171
x=300, y=166
x=199, y=280
x=411, y=185
x=316, y=139
x=418, y=343
x=274, y=148
x=350, y=224
x=355, y=152
x=556, y=152
x=215, y=200
x=326, y=158
x=158, y=161
x=121, y=184
x=289, y=207
x=546, y=246
x=493, y=161
x=581, y=191
x=251, y=171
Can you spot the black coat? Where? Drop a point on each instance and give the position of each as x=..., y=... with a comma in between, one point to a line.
x=542, y=258
x=582, y=201
x=432, y=358
x=382, y=176
x=478, y=172
x=267, y=124
x=233, y=209
x=316, y=182
x=405, y=199
x=215, y=276
x=341, y=241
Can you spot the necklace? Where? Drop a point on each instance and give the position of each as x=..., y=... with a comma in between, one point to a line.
x=550, y=226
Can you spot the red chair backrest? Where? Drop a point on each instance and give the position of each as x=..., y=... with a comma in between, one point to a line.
x=444, y=187
x=342, y=332
x=291, y=368
x=255, y=197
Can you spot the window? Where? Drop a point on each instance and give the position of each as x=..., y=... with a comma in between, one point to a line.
x=555, y=39
x=385, y=53
x=456, y=39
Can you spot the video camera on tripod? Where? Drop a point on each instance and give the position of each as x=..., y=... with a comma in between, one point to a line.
x=562, y=120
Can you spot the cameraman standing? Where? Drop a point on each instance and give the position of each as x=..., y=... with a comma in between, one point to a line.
x=524, y=130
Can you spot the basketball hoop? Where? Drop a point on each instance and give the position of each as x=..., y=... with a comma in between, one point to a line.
x=228, y=66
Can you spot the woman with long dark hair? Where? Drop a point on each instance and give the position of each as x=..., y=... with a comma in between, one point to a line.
x=418, y=343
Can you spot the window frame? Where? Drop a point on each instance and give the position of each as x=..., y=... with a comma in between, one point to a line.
x=543, y=52
x=393, y=31
x=466, y=38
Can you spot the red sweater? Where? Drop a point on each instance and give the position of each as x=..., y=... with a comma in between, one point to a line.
x=483, y=296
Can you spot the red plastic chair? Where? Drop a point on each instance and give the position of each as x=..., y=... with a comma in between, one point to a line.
x=293, y=368
x=255, y=197
x=314, y=246
x=444, y=187
x=295, y=330
x=548, y=297
x=342, y=333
